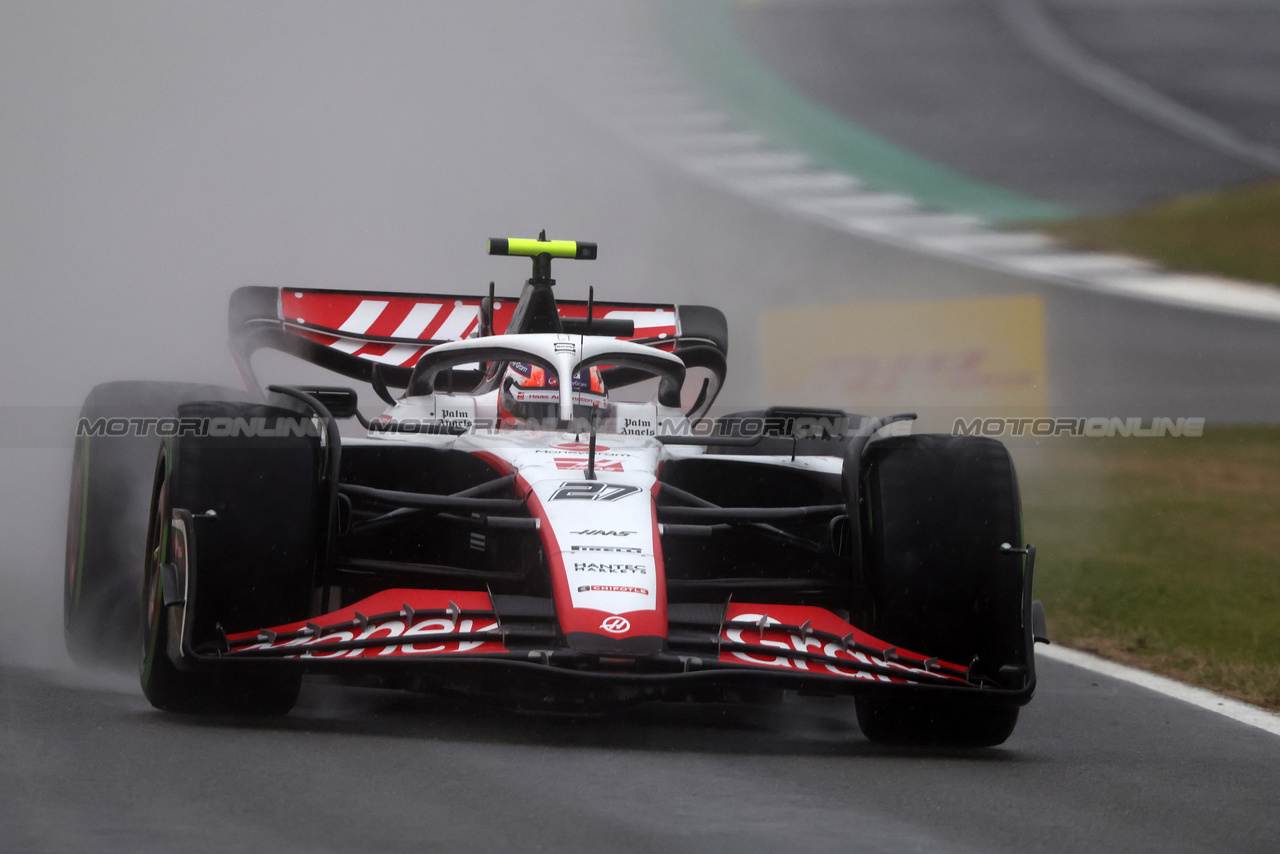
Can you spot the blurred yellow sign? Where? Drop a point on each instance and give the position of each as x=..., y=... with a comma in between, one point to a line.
x=984, y=353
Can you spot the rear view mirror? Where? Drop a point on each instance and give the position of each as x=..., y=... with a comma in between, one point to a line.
x=340, y=401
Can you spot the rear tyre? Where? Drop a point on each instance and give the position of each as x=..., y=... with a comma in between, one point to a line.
x=250, y=551
x=108, y=512
x=937, y=580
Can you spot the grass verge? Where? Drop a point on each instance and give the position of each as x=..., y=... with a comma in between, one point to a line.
x=1233, y=233
x=1164, y=553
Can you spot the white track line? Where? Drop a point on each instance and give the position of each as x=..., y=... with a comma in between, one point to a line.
x=1079, y=264
x=756, y=162
x=653, y=110
x=834, y=207
x=913, y=224
x=801, y=182
x=1029, y=21
x=1208, y=700
x=991, y=241
x=682, y=129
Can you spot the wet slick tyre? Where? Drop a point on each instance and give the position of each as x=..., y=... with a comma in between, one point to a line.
x=934, y=723
x=238, y=519
x=107, y=516
x=936, y=580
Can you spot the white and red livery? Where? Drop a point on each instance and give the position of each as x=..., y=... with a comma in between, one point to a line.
x=495, y=531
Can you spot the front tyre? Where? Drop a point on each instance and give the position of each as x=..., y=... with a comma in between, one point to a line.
x=938, y=577
x=195, y=692
x=238, y=520
x=911, y=721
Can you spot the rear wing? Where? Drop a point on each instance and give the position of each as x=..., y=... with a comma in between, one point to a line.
x=379, y=336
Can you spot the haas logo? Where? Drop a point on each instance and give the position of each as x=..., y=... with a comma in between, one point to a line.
x=616, y=625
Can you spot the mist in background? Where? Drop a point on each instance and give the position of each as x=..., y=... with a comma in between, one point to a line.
x=156, y=156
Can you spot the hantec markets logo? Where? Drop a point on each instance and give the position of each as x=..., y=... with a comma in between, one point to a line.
x=616, y=625
x=582, y=447
x=591, y=566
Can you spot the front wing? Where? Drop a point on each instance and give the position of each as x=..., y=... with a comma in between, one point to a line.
x=472, y=633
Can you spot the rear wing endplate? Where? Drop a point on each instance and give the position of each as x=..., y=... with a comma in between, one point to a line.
x=360, y=333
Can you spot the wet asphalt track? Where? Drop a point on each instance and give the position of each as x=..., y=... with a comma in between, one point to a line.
x=1093, y=766
x=936, y=76
x=86, y=765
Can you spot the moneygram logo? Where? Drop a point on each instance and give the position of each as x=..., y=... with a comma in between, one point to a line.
x=579, y=446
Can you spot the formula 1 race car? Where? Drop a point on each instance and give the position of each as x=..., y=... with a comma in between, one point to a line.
x=544, y=516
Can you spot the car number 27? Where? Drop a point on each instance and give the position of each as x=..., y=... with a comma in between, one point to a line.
x=592, y=490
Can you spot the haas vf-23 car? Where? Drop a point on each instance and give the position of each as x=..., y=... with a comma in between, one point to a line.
x=543, y=515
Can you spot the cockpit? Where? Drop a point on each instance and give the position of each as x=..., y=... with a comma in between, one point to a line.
x=542, y=381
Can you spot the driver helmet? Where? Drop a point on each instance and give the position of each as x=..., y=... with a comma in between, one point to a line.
x=529, y=392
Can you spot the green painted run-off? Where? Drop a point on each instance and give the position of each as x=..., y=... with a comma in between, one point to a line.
x=703, y=36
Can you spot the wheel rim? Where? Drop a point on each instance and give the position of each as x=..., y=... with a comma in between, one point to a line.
x=76, y=530
x=152, y=594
